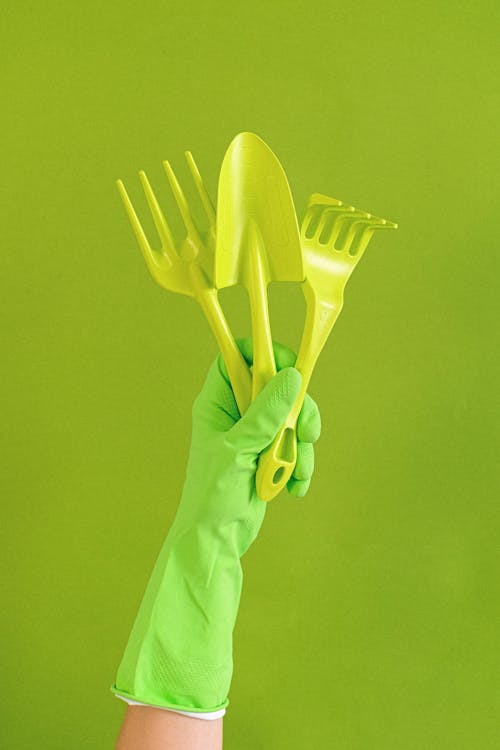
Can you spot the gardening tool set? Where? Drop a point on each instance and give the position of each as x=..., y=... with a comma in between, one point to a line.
x=252, y=240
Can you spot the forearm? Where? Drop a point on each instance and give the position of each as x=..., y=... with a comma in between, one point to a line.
x=146, y=728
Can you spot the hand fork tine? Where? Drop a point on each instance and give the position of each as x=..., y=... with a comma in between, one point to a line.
x=159, y=219
x=202, y=192
x=190, y=273
x=181, y=201
x=150, y=256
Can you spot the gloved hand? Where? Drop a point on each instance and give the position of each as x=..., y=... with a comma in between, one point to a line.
x=179, y=653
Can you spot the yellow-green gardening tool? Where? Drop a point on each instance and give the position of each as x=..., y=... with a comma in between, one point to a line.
x=334, y=237
x=186, y=267
x=257, y=238
x=257, y=241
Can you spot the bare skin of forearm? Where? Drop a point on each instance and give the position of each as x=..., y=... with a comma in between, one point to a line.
x=148, y=728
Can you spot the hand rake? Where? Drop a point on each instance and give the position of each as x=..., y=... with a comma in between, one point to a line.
x=334, y=237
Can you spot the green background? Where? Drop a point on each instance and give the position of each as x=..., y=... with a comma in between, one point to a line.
x=370, y=610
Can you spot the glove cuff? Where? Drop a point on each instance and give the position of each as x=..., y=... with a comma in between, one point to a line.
x=179, y=654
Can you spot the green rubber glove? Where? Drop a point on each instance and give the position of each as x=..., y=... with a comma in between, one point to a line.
x=179, y=653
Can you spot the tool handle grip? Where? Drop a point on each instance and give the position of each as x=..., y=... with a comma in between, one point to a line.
x=237, y=368
x=276, y=463
x=264, y=366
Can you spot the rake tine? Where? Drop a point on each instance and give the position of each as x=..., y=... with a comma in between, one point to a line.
x=306, y=223
x=386, y=224
x=341, y=211
x=368, y=232
x=159, y=219
x=314, y=208
x=181, y=201
x=339, y=225
x=202, y=192
x=353, y=234
x=318, y=199
x=316, y=203
x=148, y=253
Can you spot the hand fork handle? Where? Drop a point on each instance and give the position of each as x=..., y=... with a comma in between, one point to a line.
x=237, y=368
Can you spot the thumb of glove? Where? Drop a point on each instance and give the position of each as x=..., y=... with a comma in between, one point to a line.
x=264, y=417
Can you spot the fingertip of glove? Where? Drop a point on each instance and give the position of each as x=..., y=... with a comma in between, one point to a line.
x=309, y=422
x=298, y=487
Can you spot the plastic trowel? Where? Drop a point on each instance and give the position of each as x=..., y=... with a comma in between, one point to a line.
x=258, y=241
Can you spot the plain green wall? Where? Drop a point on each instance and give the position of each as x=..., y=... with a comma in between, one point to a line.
x=370, y=611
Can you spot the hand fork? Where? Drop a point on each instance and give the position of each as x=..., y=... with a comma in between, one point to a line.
x=334, y=237
x=186, y=267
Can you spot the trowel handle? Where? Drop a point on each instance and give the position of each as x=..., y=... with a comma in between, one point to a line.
x=264, y=366
x=237, y=368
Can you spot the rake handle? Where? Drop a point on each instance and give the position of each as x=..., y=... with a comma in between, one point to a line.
x=276, y=463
